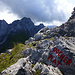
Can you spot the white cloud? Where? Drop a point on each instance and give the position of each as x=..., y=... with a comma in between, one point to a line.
x=40, y=11
x=53, y=23
x=8, y=17
x=65, y=6
x=6, y=14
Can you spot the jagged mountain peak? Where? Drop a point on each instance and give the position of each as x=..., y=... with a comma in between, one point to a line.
x=26, y=20
x=41, y=25
x=24, y=26
x=3, y=22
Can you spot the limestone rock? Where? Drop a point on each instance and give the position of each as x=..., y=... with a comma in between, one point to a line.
x=30, y=39
x=9, y=51
x=27, y=52
x=37, y=36
x=16, y=68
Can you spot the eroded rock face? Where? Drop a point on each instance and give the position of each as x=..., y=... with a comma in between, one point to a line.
x=25, y=25
x=66, y=29
x=38, y=36
x=69, y=26
x=14, y=69
x=46, y=58
x=27, y=52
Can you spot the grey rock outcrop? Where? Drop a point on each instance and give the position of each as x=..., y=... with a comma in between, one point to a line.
x=69, y=26
x=9, y=51
x=27, y=52
x=16, y=69
x=38, y=36
x=39, y=57
x=66, y=29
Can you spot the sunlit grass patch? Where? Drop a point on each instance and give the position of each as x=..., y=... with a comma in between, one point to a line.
x=7, y=60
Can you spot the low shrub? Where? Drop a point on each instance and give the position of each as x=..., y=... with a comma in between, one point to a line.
x=41, y=62
x=38, y=72
x=66, y=37
x=33, y=65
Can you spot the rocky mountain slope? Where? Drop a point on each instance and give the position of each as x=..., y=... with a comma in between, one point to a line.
x=24, y=28
x=68, y=28
x=48, y=52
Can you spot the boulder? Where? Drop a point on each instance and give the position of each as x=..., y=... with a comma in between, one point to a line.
x=9, y=51
x=27, y=52
x=16, y=69
x=37, y=36
x=30, y=39
x=54, y=34
x=42, y=44
x=44, y=30
x=48, y=32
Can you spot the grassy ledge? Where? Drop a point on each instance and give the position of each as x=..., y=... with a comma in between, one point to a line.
x=38, y=72
x=7, y=60
x=66, y=37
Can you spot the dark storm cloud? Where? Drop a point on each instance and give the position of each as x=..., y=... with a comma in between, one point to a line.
x=37, y=10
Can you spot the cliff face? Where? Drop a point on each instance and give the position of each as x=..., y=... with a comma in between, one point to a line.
x=69, y=26
x=4, y=28
x=21, y=27
x=25, y=24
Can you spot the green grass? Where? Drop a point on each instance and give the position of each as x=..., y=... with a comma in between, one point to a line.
x=33, y=65
x=32, y=44
x=66, y=37
x=7, y=60
x=50, y=38
x=41, y=62
x=38, y=72
x=20, y=37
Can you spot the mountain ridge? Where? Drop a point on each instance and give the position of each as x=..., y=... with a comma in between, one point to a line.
x=25, y=26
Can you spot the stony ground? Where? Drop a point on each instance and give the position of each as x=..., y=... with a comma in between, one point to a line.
x=50, y=54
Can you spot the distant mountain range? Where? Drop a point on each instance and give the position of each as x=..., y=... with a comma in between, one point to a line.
x=16, y=32
x=50, y=26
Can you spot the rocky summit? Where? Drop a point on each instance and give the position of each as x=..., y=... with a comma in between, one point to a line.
x=23, y=28
x=68, y=28
x=48, y=52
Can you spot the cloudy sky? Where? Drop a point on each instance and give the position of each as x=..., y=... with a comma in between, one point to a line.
x=49, y=12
